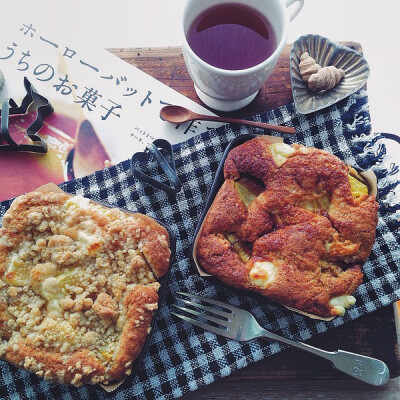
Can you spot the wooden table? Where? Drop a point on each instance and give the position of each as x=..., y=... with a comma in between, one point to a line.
x=291, y=374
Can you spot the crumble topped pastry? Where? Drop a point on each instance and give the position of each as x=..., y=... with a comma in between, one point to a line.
x=292, y=223
x=78, y=286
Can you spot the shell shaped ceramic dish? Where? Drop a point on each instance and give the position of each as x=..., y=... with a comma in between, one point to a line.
x=326, y=53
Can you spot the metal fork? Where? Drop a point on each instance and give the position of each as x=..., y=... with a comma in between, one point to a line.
x=240, y=325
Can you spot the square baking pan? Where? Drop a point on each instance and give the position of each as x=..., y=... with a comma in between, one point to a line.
x=219, y=179
x=161, y=292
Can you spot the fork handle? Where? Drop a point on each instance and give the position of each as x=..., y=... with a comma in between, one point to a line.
x=366, y=369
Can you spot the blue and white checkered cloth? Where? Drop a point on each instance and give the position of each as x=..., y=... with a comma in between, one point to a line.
x=181, y=358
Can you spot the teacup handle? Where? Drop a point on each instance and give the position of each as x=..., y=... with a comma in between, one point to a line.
x=296, y=9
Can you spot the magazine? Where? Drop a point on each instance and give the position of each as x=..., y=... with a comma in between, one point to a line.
x=105, y=110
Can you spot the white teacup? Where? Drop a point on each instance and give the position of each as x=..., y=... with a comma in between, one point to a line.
x=229, y=90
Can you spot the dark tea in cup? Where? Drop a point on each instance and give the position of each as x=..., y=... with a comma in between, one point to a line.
x=231, y=47
x=232, y=36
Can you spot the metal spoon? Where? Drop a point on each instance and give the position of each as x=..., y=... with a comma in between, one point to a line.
x=179, y=115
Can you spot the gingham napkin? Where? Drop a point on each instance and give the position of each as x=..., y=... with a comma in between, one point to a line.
x=181, y=358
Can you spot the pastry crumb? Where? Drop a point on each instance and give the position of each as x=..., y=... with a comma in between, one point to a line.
x=73, y=277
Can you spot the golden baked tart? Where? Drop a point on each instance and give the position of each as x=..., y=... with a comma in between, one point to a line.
x=292, y=223
x=78, y=286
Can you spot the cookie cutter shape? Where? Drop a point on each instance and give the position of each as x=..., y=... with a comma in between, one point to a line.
x=10, y=107
x=168, y=166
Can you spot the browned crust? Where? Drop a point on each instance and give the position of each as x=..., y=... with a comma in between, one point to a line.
x=233, y=217
x=282, y=231
x=300, y=283
x=16, y=217
x=257, y=162
x=136, y=328
x=216, y=256
x=79, y=363
x=82, y=366
x=357, y=224
x=156, y=244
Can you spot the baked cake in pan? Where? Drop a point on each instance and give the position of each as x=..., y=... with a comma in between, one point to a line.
x=78, y=286
x=292, y=223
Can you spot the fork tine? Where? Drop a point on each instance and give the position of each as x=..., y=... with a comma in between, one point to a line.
x=207, y=300
x=206, y=308
x=207, y=327
x=204, y=316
